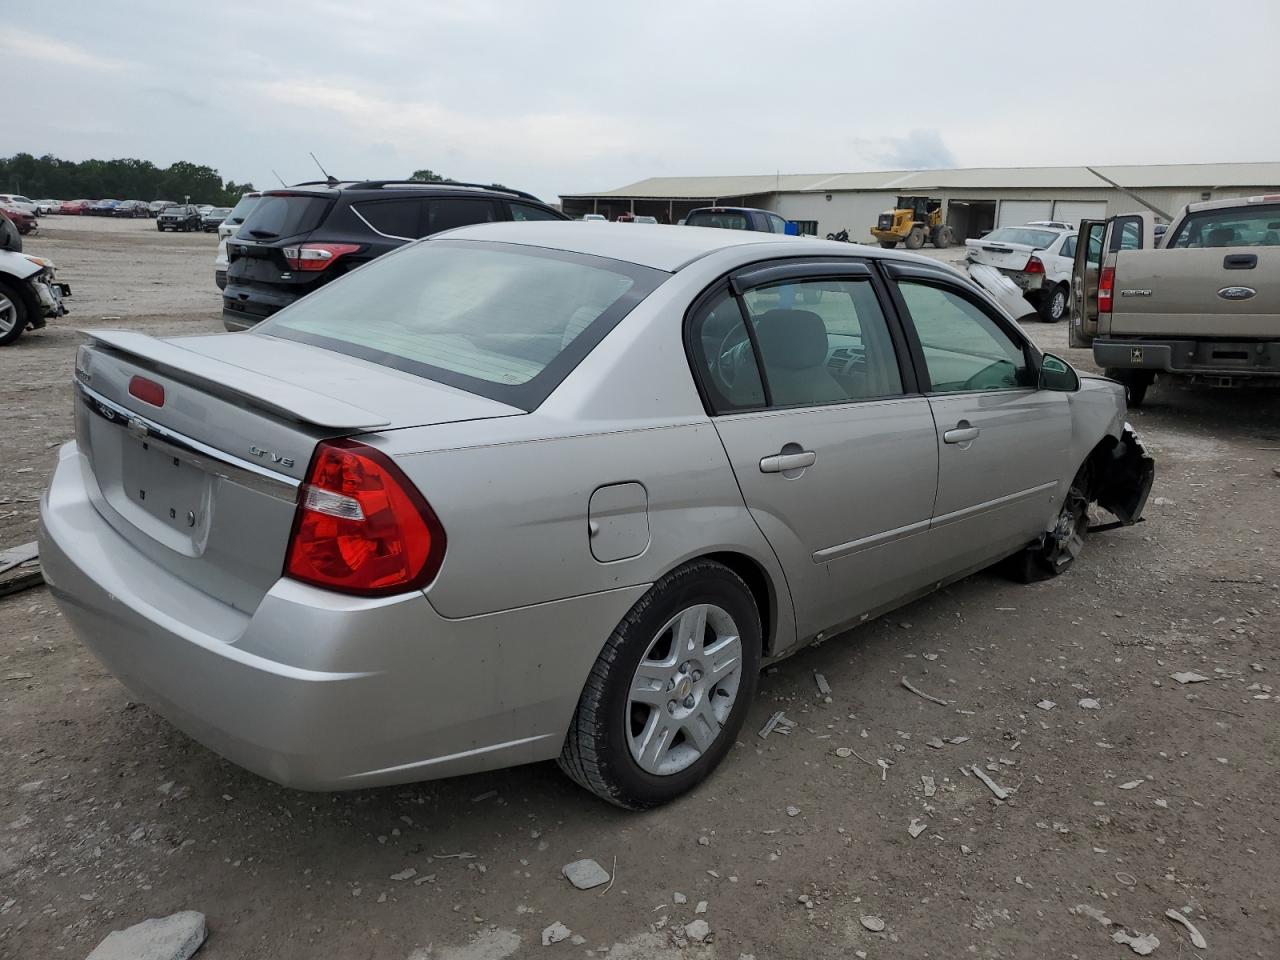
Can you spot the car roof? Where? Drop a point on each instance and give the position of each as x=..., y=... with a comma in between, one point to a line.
x=662, y=247
x=730, y=209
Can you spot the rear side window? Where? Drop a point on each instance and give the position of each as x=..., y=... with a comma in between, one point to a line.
x=724, y=219
x=523, y=211
x=393, y=218
x=284, y=216
x=449, y=212
x=504, y=321
x=242, y=209
x=1250, y=227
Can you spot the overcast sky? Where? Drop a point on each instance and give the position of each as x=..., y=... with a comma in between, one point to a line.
x=575, y=96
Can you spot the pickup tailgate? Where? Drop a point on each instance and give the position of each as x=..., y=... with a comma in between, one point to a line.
x=1218, y=292
x=203, y=477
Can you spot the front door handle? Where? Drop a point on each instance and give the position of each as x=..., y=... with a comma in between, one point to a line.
x=962, y=432
x=786, y=462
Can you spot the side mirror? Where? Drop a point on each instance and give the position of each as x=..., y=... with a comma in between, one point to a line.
x=1057, y=374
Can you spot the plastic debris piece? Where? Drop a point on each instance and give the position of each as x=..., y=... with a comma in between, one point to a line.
x=1188, y=676
x=824, y=688
x=1000, y=792
x=1197, y=938
x=930, y=788
x=915, y=828
x=585, y=874
x=874, y=924
x=920, y=693
x=1142, y=944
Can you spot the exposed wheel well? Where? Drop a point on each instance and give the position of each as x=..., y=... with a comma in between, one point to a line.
x=762, y=590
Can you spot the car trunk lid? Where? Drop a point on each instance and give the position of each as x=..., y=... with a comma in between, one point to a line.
x=205, y=481
x=1002, y=256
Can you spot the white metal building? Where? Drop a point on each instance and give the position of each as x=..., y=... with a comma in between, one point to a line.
x=975, y=200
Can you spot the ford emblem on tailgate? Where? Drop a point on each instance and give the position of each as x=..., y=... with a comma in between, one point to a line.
x=1237, y=293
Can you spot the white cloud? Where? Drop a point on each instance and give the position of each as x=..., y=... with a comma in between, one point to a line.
x=42, y=49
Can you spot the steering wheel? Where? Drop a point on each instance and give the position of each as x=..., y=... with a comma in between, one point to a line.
x=726, y=364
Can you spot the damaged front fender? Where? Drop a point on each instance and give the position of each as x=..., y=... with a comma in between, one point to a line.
x=1122, y=477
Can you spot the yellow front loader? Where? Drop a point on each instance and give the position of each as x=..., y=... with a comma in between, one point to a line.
x=913, y=221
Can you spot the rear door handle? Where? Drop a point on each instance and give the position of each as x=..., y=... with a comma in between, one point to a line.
x=783, y=462
x=962, y=432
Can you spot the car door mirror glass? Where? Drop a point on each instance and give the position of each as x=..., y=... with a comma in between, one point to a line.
x=1057, y=374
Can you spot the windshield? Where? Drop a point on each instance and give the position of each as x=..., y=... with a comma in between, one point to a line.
x=724, y=219
x=1252, y=227
x=503, y=321
x=218, y=212
x=285, y=215
x=1025, y=235
x=242, y=209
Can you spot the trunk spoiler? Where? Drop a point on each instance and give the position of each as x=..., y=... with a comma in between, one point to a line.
x=218, y=377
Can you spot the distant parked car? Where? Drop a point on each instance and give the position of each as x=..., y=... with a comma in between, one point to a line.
x=1035, y=256
x=213, y=218
x=103, y=208
x=74, y=208
x=298, y=239
x=130, y=208
x=182, y=217
x=204, y=208
x=156, y=207
x=44, y=207
x=595, y=217
x=736, y=218
x=24, y=221
x=17, y=201
x=226, y=229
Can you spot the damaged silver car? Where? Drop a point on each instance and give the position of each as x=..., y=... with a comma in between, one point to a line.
x=533, y=491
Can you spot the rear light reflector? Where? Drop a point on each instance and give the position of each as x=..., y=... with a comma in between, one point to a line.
x=1106, y=288
x=317, y=256
x=1035, y=265
x=148, y=391
x=361, y=526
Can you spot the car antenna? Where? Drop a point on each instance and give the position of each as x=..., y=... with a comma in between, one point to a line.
x=333, y=181
x=280, y=178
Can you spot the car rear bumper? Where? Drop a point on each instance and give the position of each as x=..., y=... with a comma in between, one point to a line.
x=244, y=305
x=1217, y=359
x=315, y=690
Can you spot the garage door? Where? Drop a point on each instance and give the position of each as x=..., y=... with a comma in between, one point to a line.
x=1014, y=212
x=1073, y=211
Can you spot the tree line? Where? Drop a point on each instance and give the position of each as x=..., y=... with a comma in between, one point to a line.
x=124, y=179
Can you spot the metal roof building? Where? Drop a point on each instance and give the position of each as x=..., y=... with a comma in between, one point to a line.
x=975, y=199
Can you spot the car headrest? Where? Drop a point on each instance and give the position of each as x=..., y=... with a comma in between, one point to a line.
x=794, y=339
x=1221, y=236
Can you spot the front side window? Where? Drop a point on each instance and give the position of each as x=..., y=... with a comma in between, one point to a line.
x=503, y=321
x=964, y=348
x=1253, y=227
x=777, y=224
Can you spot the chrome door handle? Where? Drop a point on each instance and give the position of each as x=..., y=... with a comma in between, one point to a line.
x=962, y=432
x=782, y=462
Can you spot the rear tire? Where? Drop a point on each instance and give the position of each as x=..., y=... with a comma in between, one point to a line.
x=943, y=237
x=1055, y=304
x=1136, y=382
x=915, y=239
x=14, y=314
x=638, y=754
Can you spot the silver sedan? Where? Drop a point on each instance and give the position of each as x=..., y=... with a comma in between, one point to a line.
x=537, y=491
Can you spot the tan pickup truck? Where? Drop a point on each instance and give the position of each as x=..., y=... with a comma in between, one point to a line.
x=1205, y=304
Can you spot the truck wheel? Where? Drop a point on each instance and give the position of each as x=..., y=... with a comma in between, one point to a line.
x=670, y=690
x=14, y=314
x=1053, y=306
x=942, y=237
x=888, y=244
x=1135, y=382
x=915, y=239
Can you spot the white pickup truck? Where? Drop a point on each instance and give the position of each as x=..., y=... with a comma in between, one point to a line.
x=1204, y=305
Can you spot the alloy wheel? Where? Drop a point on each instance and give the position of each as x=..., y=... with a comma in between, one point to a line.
x=684, y=689
x=8, y=315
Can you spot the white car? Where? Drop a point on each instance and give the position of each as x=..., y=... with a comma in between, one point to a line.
x=595, y=217
x=45, y=207
x=1037, y=257
x=225, y=229
x=20, y=202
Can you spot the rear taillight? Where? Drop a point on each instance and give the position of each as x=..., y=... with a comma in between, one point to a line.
x=317, y=256
x=1106, y=287
x=1035, y=265
x=148, y=391
x=361, y=526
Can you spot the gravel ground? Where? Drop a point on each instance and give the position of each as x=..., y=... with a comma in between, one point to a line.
x=1161, y=797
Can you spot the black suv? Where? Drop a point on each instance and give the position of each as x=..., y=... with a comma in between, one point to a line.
x=182, y=217
x=302, y=237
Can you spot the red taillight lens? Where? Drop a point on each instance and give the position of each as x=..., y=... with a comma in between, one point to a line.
x=148, y=391
x=361, y=527
x=317, y=256
x=1106, y=287
x=1035, y=265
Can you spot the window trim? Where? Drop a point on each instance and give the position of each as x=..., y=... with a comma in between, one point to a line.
x=749, y=277
x=936, y=278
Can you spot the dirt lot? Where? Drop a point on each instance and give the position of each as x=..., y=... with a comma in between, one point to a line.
x=1162, y=797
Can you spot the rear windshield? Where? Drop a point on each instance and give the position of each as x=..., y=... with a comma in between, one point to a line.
x=284, y=216
x=1254, y=226
x=725, y=220
x=504, y=321
x=1032, y=238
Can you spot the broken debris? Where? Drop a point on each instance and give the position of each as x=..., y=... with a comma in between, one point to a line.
x=175, y=937
x=874, y=924
x=1000, y=792
x=915, y=828
x=779, y=723
x=1046, y=704
x=930, y=788
x=585, y=874
x=1142, y=944
x=920, y=693
x=698, y=931
x=1188, y=676
x=555, y=933
x=1088, y=703
x=824, y=688
x=1197, y=938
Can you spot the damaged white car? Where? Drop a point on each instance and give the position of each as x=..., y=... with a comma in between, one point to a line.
x=1027, y=268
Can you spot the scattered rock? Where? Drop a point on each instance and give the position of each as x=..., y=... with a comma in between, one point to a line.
x=1131, y=784
x=874, y=924
x=698, y=931
x=701, y=907
x=1088, y=703
x=1188, y=676
x=793, y=811
x=175, y=937
x=1197, y=938
x=824, y=688
x=915, y=828
x=1046, y=704
x=679, y=898
x=406, y=874
x=935, y=742
x=1000, y=792
x=555, y=933
x=704, y=841
x=585, y=874
x=930, y=788
x=1091, y=911
x=1142, y=944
